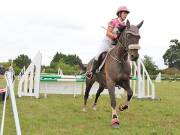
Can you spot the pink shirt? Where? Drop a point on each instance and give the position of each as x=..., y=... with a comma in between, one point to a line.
x=114, y=23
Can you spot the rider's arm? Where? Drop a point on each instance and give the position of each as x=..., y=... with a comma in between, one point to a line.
x=110, y=33
x=111, y=26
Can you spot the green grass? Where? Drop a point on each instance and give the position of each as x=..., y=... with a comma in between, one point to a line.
x=62, y=115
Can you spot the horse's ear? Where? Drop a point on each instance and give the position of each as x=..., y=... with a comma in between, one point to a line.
x=140, y=24
x=128, y=23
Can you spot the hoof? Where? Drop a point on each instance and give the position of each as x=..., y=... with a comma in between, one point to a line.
x=84, y=109
x=115, y=126
x=94, y=107
x=115, y=123
x=123, y=107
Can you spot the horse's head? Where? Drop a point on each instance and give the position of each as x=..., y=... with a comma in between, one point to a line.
x=129, y=39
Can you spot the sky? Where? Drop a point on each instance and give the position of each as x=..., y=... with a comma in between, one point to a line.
x=75, y=27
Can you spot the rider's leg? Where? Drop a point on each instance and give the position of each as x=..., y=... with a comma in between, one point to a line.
x=95, y=65
x=106, y=44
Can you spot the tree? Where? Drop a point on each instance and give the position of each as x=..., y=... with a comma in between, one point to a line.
x=55, y=60
x=150, y=65
x=21, y=61
x=6, y=65
x=72, y=60
x=172, y=55
x=2, y=70
x=67, y=59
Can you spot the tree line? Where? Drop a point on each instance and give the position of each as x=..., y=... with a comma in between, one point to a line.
x=68, y=63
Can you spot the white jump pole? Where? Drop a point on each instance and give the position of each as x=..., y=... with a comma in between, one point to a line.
x=139, y=80
x=9, y=80
x=3, y=114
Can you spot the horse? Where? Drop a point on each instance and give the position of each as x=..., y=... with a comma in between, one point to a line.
x=116, y=70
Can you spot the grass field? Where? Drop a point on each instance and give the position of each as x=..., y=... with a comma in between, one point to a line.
x=62, y=115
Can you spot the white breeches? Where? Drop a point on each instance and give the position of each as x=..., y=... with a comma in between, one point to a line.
x=105, y=46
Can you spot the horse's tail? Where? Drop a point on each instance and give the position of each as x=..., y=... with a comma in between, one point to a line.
x=82, y=67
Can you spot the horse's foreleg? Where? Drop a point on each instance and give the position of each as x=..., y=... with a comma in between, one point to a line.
x=111, y=89
x=97, y=96
x=126, y=86
x=86, y=95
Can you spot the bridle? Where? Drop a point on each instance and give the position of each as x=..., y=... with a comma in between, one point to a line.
x=123, y=37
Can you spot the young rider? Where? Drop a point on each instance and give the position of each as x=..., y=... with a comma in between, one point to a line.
x=111, y=36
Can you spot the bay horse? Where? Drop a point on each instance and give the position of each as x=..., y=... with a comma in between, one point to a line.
x=116, y=70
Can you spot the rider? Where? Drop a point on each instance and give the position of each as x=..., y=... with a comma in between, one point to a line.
x=111, y=36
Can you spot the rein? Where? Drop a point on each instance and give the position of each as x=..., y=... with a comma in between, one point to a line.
x=124, y=37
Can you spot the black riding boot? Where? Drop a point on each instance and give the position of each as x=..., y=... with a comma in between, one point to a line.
x=95, y=65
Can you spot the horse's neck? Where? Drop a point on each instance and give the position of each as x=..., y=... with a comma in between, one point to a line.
x=119, y=51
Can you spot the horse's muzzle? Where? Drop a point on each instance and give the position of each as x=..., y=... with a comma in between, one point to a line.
x=134, y=57
x=133, y=51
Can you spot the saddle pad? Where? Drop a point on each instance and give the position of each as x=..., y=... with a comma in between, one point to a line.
x=103, y=62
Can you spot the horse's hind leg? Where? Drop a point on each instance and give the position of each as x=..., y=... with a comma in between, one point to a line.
x=126, y=86
x=101, y=88
x=89, y=84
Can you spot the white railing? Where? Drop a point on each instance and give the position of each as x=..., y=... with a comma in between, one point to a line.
x=30, y=85
x=21, y=73
x=143, y=87
x=29, y=82
x=9, y=76
x=158, y=78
